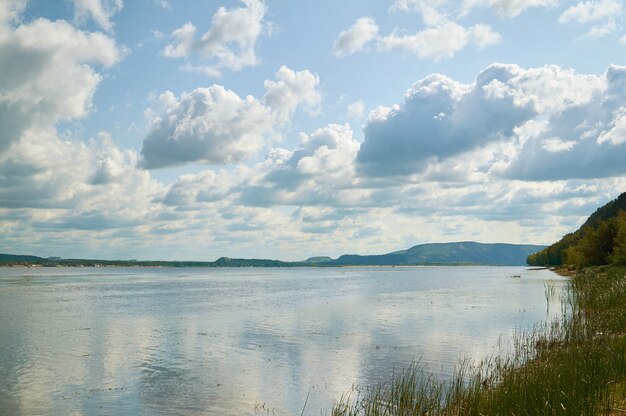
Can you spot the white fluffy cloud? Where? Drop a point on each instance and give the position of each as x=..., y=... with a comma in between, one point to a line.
x=354, y=39
x=215, y=125
x=442, y=38
x=100, y=11
x=229, y=43
x=600, y=13
x=435, y=10
x=510, y=8
x=432, y=11
x=290, y=90
x=320, y=171
x=441, y=41
x=356, y=109
x=441, y=118
x=212, y=125
x=10, y=10
x=48, y=75
x=585, y=140
x=50, y=71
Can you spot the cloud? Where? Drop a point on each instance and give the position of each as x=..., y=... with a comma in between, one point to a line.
x=320, y=171
x=354, y=39
x=184, y=38
x=290, y=90
x=230, y=42
x=193, y=190
x=509, y=8
x=215, y=125
x=601, y=13
x=56, y=174
x=100, y=11
x=585, y=140
x=442, y=41
x=441, y=118
x=10, y=10
x=356, y=109
x=556, y=145
x=435, y=11
x=48, y=75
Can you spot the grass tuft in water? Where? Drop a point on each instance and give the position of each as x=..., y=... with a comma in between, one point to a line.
x=573, y=366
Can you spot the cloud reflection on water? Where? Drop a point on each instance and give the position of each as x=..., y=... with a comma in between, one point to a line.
x=222, y=341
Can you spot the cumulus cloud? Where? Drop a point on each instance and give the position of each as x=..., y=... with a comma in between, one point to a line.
x=442, y=41
x=441, y=118
x=354, y=39
x=320, y=171
x=230, y=42
x=215, y=125
x=585, y=140
x=600, y=13
x=356, y=109
x=65, y=175
x=48, y=75
x=50, y=71
x=556, y=145
x=509, y=8
x=184, y=38
x=190, y=191
x=435, y=11
x=290, y=90
x=100, y=11
x=10, y=10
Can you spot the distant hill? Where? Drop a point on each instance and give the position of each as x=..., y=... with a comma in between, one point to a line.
x=467, y=252
x=425, y=254
x=16, y=258
x=600, y=240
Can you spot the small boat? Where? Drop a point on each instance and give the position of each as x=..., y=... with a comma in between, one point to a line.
x=516, y=276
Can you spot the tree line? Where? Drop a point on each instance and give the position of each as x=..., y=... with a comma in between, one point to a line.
x=597, y=243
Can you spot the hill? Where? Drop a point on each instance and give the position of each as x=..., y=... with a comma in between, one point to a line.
x=467, y=252
x=600, y=240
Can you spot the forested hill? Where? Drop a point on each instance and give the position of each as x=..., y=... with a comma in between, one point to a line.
x=600, y=240
x=467, y=252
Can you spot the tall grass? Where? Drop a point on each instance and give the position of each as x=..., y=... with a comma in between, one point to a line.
x=573, y=366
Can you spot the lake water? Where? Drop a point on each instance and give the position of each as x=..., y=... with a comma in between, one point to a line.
x=158, y=341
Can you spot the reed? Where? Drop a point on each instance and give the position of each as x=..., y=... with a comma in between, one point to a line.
x=575, y=365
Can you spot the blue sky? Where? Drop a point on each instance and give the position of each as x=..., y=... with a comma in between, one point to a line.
x=187, y=129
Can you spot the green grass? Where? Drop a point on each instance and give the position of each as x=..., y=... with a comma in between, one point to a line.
x=574, y=366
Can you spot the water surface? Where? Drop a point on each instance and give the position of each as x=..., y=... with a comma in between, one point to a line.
x=161, y=341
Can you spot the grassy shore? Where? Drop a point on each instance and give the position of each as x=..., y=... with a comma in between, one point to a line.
x=575, y=366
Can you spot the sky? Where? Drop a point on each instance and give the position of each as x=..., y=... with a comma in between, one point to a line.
x=192, y=130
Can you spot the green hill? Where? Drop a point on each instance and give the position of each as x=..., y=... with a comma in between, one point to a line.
x=425, y=254
x=467, y=252
x=16, y=258
x=600, y=240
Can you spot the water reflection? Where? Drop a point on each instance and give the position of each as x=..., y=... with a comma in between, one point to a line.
x=163, y=341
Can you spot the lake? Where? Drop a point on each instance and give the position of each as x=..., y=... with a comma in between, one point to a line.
x=167, y=341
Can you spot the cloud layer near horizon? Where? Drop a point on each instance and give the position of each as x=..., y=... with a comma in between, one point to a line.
x=517, y=155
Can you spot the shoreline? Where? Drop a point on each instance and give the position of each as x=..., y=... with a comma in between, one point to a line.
x=573, y=367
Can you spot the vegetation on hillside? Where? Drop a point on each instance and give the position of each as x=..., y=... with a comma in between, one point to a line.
x=600, y=240
x=602, y=243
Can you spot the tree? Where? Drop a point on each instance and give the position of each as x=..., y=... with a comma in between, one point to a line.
x=618, y=256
